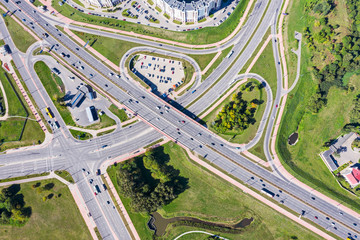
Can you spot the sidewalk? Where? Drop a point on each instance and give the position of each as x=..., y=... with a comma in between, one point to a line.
x=74, y=192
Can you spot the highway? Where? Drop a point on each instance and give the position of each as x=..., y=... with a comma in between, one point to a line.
x=190, y=135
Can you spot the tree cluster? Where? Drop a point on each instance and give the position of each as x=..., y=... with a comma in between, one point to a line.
x=236, y=115
x=12, y=207
x=345, y=53
x=355, y=112
x=149, y=182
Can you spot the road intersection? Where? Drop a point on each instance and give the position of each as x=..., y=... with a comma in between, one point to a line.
x=64, y=152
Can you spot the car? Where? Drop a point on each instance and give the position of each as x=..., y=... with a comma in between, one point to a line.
x=316, y=217
x=95, y=193
x=106, y=85
x=213, y=144
x=312, y=198
x=200, y=146
x=327, y=218
x=278, y=62
x=108, y=202
x=276, y=105
x=91, y=181
x=237, y=147
x=355, y=224
x=182, y=121
x=282, y=201
x=91, y=75
x=252, y=178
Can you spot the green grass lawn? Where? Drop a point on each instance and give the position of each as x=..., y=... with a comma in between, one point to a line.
x=216, y=63
x=265, y=67
x=120, y=113
x=10, y=130
x=79, y=3
x=65, y=175
x=258, y=149
x=302, y=160
x=80, y=135
x=250, y=132
x=54, y=90
x=202, y=199
x=57, y=218
x=38, y=3
x=105, y=132
x=203, y=60
x=105, y=121
x=201, y=36
x=15, y=106
x=21, y=38
x=101, y=44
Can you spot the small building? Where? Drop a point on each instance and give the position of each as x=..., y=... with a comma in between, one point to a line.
x=77, y=99
x=91, y=113
x=5, y=49
x=352, y=176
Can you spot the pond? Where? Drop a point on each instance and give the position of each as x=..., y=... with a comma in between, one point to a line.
x=158, y=224
x=293, y=138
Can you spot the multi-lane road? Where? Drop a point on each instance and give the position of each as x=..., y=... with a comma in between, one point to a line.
x=66, y=153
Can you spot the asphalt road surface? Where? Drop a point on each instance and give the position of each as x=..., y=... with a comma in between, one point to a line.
x=190, y=134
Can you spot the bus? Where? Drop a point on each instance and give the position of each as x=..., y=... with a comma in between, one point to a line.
x=48, y=111
x=229, y=55
x=267, y=192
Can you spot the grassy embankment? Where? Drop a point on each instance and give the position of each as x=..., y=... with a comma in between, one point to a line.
x=120, y=113
x=56, y=218
x=65, y=175
x=16, y=131
x=249, y=133
x=302, y=160
x=201, y=36
x=22, y=39
x=202, y=199
x=80, y=135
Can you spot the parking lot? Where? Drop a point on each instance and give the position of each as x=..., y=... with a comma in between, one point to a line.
x=141, y=12
x=160, y=73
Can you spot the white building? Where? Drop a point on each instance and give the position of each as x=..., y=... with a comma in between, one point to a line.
x=188, y=12
x=103, y=3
